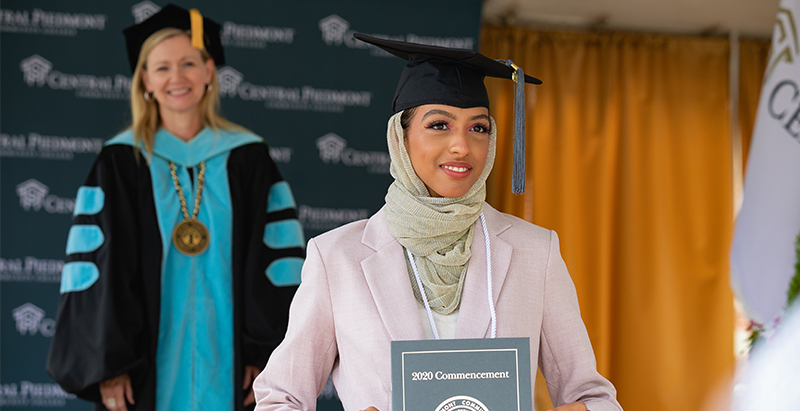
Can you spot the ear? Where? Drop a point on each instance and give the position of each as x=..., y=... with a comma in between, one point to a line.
x=209, y=70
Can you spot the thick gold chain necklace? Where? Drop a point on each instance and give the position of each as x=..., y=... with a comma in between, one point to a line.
x=190, y=236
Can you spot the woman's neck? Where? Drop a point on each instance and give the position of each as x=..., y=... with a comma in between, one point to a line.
x=185, y=126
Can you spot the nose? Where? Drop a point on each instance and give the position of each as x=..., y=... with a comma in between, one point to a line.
x=176, y=74
x=459, y=142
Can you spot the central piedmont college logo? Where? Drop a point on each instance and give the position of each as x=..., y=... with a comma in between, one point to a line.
x=33, y=196
x=35, y=145
x=784, y=100
x=254, y=37
x=336, y=32
x=330, y=148
x=35, y=69
x=38, y=71
x=785, y=43
x=322, y=218
x=229, y=80
x=461, y=403
x=333, y=150
x=304, y=98
x=142, y=11
x=49, y=23
x=30, y=270
x=232, y=34
x=31, y=394
x=333, y=29
x=31, y=320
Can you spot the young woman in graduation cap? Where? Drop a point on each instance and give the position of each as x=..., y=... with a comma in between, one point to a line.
x=185, y=250
x=425, y=265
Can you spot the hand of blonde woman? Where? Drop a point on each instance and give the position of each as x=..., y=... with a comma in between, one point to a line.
x=573, y=406
x=371, y=409
x=250, y=374
x=115, y=391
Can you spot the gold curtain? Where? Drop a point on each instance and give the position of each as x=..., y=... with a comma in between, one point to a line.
x=630, y=160
x=753, y=56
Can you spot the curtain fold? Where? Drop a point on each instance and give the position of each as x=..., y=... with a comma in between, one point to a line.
x=629, y=160
x=753, y=57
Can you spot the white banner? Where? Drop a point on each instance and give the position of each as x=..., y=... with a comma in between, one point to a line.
x=763, y=249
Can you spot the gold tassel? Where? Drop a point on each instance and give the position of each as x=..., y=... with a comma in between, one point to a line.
x=197, y=29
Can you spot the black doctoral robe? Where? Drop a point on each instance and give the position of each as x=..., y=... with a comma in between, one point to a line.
x=182, y=327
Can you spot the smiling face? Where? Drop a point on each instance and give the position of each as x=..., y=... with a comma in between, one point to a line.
x=448, y=147
x=177, y=75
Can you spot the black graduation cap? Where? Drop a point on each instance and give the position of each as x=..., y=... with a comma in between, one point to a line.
x=205, y=32
x=454, y=77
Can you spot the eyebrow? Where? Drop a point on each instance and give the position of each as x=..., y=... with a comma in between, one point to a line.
x=436, y=111
x=184, y=58
x=450, y=115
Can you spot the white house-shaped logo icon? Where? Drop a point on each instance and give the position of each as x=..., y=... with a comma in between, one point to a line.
x=229, y=80
x=142, y=11
x=28, y=318
x=35, y=69
x=330, y=148
x=31, y=194
x=333, y=29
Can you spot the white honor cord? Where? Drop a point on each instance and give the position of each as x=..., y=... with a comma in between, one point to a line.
x=489, y=276
x=488, y=279
x=422, y=293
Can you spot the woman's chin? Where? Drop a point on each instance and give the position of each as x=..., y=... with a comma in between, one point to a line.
x=178, y=109
x=449, y=193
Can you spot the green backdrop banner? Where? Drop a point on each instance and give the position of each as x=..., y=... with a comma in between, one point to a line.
x=294, y=75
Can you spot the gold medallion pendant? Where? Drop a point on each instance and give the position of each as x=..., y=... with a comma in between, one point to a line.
x=190, y=237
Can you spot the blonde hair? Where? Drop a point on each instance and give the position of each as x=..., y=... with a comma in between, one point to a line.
x=144, y=114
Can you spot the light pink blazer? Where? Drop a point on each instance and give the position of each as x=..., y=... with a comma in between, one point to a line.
x=356, y=297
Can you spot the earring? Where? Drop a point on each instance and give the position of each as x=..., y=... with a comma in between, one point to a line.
x=209, y=87
x=148, y=96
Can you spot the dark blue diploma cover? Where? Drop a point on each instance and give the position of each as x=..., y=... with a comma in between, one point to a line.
x=462, y=375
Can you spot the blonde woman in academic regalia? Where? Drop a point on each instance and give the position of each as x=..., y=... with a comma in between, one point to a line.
x=185, y=250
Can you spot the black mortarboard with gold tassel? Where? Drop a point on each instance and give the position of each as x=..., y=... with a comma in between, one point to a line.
x=454, y=77
x=205, y=32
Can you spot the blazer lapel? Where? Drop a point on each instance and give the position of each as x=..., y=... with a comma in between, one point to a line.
x=388, y=281
x=474, y=317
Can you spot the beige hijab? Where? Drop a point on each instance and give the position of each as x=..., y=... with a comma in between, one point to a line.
x=437, y=230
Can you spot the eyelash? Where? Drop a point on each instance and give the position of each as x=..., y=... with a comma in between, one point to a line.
x=484, y=129
x=436, y=124
x=186, y=64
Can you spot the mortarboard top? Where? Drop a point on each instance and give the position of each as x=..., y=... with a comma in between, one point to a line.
x=454, y=77
x=207, y=37
x=441, y=75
